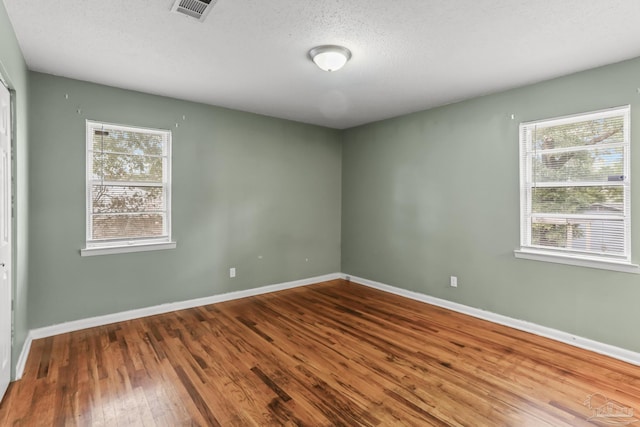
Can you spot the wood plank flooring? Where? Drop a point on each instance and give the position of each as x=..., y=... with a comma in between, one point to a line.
x=330, y=354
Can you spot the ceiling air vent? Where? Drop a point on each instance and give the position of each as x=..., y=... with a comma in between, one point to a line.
x=198, y=9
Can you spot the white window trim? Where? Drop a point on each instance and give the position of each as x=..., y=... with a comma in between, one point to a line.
x=141, y=247
x=622, y=264
x=581, y=261
x=93, y=248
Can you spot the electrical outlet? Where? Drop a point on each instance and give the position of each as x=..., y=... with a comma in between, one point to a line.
x=232, y=272
x=454, y=282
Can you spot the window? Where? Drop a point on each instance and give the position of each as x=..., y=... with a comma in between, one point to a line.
x=575, y=188
x=128, y=189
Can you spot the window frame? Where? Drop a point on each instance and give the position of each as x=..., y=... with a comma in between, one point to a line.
x=567, y=256
x=133, y=244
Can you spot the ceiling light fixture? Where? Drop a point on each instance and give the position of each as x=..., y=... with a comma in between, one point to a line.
x=330, y=57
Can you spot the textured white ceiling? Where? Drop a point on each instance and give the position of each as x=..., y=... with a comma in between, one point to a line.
x=251, y=55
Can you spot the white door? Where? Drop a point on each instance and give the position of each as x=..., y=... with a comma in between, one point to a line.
x=5, y=239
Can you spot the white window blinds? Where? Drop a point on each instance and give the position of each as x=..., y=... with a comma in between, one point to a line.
x=575, y=185
x=128, y=185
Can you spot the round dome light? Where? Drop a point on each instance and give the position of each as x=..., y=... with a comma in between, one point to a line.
x=329, y=57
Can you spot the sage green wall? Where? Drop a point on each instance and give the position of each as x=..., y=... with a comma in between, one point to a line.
x=14, y=71
x=436, y=193
x=244, y=186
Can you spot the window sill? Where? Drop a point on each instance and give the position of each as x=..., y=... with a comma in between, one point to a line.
x=108, y=250
x=574, y=260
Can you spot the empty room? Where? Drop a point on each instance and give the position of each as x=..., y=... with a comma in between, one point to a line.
x=330, y=213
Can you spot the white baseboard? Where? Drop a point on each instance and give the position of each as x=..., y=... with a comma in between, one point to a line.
x=106, y=319
x=557, y=335
x=24, y=353
x=554, y=334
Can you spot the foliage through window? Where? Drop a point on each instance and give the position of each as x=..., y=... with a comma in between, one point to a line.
x=575, y=186
x=128, y=185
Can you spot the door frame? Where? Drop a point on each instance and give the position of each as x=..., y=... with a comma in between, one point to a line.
x=12, y=224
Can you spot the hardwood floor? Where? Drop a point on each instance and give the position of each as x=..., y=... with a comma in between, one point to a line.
x=334, y=353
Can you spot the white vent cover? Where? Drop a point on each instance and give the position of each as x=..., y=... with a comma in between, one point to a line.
x=198, y=9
